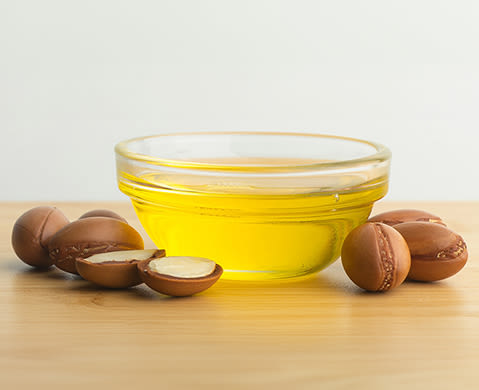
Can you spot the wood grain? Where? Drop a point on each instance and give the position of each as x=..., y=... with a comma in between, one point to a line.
x=58, y=331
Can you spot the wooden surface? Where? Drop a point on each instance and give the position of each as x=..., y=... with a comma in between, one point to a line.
x=58, y=331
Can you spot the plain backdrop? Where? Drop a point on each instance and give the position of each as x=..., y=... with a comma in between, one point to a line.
x=78, y=76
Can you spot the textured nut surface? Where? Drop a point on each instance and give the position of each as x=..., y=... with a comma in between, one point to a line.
x=89, y=236
x=183, y=266
x=102, y=213
x=395, y=217
x=174, y=286
x=436, y=251
x=375, y=257
x=115, y=269
x=32, y=232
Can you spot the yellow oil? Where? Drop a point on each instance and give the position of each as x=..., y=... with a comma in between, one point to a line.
x=254, y=237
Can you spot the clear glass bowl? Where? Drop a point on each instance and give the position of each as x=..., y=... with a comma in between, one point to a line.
x=263, y=205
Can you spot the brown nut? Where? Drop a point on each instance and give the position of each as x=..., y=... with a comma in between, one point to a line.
x=436, y=251
x=102, y=213
x=89, y=236
x=191, y=279
x=115, y=269
x=375, y=257
x=395, y=217
x=32, y=233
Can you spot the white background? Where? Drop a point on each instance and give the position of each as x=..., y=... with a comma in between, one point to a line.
x=78, y=76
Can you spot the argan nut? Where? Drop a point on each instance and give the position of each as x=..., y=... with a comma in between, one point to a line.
x=89, y=236
x=103, y=213
x=115, y=269
x=395, y=217
x=436, y=251
x=375, y=257
x=32, y=232
x=179, y=276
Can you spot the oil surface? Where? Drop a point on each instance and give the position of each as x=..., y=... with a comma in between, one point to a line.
x=253, y=237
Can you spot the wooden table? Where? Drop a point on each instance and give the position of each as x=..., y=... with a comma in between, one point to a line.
x=58, y=331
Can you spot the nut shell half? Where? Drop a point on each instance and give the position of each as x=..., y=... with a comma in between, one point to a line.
x=89, y=236
x=177, y=287
x=114, y=274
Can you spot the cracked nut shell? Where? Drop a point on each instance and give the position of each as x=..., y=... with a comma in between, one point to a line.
x=117, y=269
x=89, y=236
x=375, y=257
x=32, y=232
x=395, y=217
x=102, y=213
x=436, y=251
x=174, y=286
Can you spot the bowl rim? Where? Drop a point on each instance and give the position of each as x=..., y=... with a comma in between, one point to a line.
x=381, y=154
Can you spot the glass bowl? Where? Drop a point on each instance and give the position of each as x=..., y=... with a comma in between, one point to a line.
x=263, y=205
